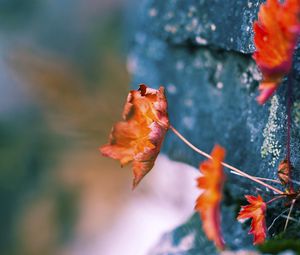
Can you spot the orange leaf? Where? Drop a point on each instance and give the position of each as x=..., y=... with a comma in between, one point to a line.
x=208, y=203
x=255, y=210
x=275, y=37
x=284, y=172
x=139, y=136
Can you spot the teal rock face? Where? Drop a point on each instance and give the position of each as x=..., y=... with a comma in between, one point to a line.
x=199, y=50
x=225, y=24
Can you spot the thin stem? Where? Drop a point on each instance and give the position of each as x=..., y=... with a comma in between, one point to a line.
x=288, y=143
x=267, y=179
x=274, y=199
x=273, y=222
x=291, y=218
x=289, y=215
x=223, y=163
x=190, y=144
x=295, y=182
x=259, y=178
x=289, y=121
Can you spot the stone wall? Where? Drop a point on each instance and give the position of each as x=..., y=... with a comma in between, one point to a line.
x=201, y=52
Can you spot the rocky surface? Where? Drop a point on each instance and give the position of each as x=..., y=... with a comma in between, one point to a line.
x=219, y=23
x=196, y=49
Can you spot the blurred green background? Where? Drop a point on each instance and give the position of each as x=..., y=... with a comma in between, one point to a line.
x=63, y=83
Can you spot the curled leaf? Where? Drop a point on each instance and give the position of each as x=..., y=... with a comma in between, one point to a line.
x=256, y=210
x=208, y=203
x=275, y=36
x=284, y=173
x=139, y=136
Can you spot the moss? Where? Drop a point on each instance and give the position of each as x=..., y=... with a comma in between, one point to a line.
x=270, y=145
x=278, y=245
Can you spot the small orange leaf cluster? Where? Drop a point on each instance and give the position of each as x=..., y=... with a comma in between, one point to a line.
x=275, y=36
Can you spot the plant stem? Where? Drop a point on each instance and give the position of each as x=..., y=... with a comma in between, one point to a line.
x=289, y=121
x=289, y=215
x=225, y=164
x=274, y=199
x=290, y=211
x=259, y=178
x=267, y=179
x=273, y=222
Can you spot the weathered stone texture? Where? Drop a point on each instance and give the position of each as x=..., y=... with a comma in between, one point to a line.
x=197, y=50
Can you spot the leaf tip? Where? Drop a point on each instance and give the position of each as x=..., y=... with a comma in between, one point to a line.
x=135, y=182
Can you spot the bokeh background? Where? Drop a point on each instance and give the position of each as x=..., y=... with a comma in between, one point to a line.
x=63, y=82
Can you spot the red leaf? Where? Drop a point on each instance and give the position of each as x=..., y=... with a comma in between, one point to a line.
x=256, y=211
x=208, y=203
x=139, y=136
x=275, y=36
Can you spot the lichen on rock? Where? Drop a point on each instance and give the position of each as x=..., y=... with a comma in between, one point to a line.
x=296, y=113
x=271, y=146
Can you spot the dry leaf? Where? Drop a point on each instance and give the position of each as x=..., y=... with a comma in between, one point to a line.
x=208, y=203
x=284, y=172
x=256, y=211
x=275, y=36
x=139, y=136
